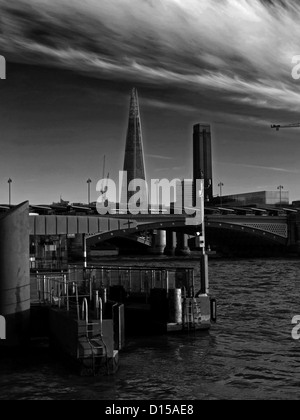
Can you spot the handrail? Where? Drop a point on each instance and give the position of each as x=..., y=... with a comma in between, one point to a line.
x=68, y=289
x=85, y=310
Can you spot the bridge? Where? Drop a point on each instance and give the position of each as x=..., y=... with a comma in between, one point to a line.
x=252, y=226
x=230, y=227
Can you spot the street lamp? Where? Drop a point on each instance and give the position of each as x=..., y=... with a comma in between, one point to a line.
x=89, y=181
x=280, y=188
x=9, y=191
x=221, y=185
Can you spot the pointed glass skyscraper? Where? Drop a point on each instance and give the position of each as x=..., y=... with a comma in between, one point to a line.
x=134, y=163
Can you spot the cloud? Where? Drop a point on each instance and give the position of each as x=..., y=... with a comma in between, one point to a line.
x=159, y=157
x=266, y=168
x=237, y=51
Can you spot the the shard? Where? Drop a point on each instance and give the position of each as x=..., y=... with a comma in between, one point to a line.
x=134, y=163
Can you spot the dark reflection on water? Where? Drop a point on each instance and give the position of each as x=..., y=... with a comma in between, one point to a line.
x=249, y=354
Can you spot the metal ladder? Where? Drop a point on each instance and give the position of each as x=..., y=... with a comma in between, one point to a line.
x=95, y=341
x=192, y=312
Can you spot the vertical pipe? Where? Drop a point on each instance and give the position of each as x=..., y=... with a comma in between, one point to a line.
x=49, y=289
x=204, y=265
x=59, y=298
x=167, y=282
x=102, y=278
x=141, y=281
x=77, y=304
x=192, y=274
x=101, y=316
x=84, y=251
x=44, y=289
x=91, y=290
x=65, y=285
x=68, y=303
x=204, y=274
x=38, y=279
x=96, y=303
x=130, y=284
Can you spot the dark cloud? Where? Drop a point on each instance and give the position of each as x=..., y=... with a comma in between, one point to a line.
x=239, y=49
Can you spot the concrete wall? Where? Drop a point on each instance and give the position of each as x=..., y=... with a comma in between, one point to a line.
x=14, y=274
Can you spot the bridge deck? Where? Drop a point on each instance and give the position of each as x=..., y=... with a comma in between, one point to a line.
x=64, y=225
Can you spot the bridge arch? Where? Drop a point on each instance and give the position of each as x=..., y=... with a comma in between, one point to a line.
x=273, y=233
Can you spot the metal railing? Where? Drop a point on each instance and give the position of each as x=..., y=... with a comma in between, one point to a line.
x=36, y=265
x=57, y=290
x=137, y=280
x=70, y=287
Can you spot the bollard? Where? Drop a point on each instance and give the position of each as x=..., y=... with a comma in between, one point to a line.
x=175, y=306
x=103, y=295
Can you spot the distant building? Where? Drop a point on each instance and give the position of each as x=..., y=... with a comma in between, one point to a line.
x=203, y=158
x=267, y=198
x=134, y=161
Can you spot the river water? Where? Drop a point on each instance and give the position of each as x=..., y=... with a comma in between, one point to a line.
x=248, y=354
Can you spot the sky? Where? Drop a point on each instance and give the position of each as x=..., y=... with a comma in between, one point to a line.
x=71, y=66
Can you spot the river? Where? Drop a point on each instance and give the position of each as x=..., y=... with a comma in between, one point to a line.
x=248, y=354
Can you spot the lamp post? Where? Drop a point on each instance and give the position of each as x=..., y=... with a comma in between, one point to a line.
x=89, y=181
x=221, y=185
x=280, y=188
x=9, y=191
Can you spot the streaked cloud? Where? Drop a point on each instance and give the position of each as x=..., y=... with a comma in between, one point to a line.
x=159, y=157
x=265, y=168
x=238, y=51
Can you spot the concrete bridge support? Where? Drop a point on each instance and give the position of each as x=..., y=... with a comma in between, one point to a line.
x=170, y=248
x=182, y=249
x=158, y=242
x=15, y=275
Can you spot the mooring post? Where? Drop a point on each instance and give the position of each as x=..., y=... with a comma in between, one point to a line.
x=204, y=264
x=84, y=251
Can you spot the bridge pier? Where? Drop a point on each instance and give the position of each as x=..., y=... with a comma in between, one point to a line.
x=158, y=242
x=170, y=248
x=15, y=275
x=182, y=249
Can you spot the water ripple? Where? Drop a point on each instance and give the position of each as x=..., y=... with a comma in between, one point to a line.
x=249, y=354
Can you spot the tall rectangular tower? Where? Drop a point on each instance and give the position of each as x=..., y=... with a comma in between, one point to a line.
x=202, y=158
